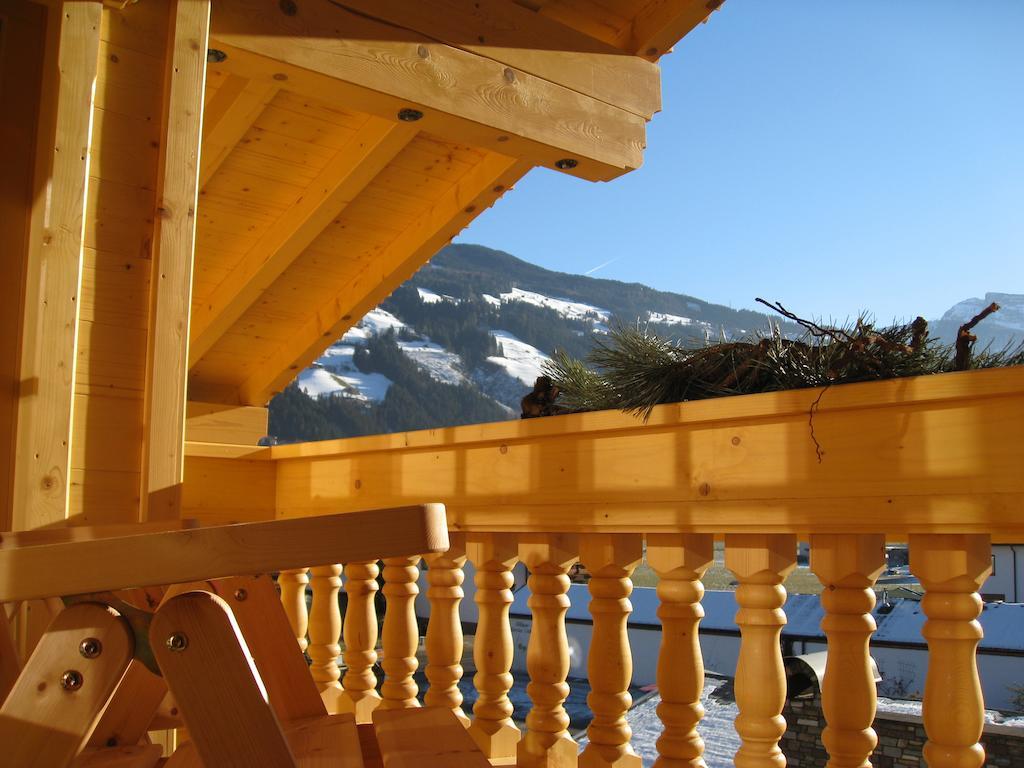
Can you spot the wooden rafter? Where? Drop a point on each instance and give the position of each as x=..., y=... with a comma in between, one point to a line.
x=229, y=115
x=54, y=272
x=171, y=282
x=662, y=23
x=344, y=177
x=380, y=69
x=531, y=42
x=479, y=188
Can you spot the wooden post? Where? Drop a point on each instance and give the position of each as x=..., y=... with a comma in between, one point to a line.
x=547, y=743
x=444, y=630
x=53, y=271
x=680, y=561
x=848, y=567
x=761, y=563
x=293, y=598
x=325, y=632
x=401, y=636
x=611, y=560
x=360, y=696
x=493, y=555
x=174, y=249
x=951, y=568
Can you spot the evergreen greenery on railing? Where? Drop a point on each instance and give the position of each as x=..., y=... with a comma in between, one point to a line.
x=634, y=370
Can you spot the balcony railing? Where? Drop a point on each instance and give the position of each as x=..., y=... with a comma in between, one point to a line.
x=935, y=462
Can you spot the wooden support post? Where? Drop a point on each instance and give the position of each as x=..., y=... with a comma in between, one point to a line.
x=761, y=563
x=611, y=560
x=848, y=567
x=360, y=696
x=53, y=272
x=293, y=597
x=951, y=568
x=444, y=630
x=174, y=249
x=680, y=561
x=401, y=637
x=547, y=743
x=493, y=555
x=325, y=632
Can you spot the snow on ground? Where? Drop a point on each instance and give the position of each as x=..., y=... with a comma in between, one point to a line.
x=377, y=321
x=574, y=310
x=519, y=359
x=320, y=382
x=427, y=296
x=666, y=319
x=494, y=301
x=442, y=365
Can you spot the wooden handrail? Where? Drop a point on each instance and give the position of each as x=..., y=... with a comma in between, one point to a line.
x=171, y=557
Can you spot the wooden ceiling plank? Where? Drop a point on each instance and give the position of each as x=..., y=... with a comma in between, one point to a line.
x=477, y=190
x=53, y=270
x=234, y=108
x=531, y=42
x=380, y=69
x=355, y=166
x=663, y=23
x=171, y=286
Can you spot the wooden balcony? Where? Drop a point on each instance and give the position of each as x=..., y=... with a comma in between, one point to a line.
x=934, y=461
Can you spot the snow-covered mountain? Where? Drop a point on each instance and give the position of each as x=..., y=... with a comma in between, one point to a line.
x=998, y=329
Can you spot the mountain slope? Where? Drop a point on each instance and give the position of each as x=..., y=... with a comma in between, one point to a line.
x=464, y=339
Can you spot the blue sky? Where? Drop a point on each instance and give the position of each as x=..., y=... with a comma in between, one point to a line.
x=835, y=155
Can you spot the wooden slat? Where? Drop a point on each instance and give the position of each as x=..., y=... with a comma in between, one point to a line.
x=663, y=23
x=425, y=738
x=233, y=109
x=42, y=723
x=476, y=190
x=171, y=282
x=381, y=68
x=530, y=42
x=10, y=663
x=211, y=677
x=66, y=534
x=178, y=556
x=137, y=756
x=355, y=166
x=214, y=423
x=53, y=276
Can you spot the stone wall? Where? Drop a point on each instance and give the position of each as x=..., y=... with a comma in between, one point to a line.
x=901, y=739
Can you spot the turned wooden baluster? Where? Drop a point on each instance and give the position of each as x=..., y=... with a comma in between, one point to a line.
x=951, y=568
x=360, y=696
x=324, y=633
x=293, y=598
x=847, y=566
x=444, y=630
x=493, y=555
x=547, y=743
x=760, y=563
x=610, y=559
x=680, y=561
x=401, y=637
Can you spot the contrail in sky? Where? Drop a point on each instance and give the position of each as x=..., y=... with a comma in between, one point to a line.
x=602, y=266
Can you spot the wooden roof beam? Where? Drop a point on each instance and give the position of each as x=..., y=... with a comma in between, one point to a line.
x=229, y=115
x=331, y=53
x=532, y=42
x=663, y=23
x=352, y=168
x=478, y=189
